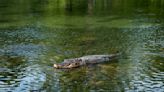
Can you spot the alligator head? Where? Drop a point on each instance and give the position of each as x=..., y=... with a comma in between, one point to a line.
x=69, y=63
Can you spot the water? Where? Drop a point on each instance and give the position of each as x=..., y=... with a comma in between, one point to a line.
x=35, y=34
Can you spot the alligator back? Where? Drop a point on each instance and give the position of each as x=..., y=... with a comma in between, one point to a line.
x=91, y=59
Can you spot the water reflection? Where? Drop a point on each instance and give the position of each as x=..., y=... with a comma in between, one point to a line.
x=56, y=12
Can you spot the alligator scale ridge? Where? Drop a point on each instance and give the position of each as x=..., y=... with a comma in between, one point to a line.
x=85, y=60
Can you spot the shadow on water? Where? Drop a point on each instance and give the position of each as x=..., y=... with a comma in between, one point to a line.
x=35, y=34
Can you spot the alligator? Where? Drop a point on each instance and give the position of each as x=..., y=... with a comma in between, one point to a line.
x=85, y=60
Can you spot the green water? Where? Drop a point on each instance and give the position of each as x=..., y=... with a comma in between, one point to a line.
x=35, y=34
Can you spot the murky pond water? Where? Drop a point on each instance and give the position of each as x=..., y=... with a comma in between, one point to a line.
x=35, y=34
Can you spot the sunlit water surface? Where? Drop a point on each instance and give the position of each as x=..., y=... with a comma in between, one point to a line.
x=35, y=34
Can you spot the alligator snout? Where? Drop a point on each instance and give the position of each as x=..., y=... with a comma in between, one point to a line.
x=66, y=65
x=61, y=66
x=69, y=63
x=56, y=65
